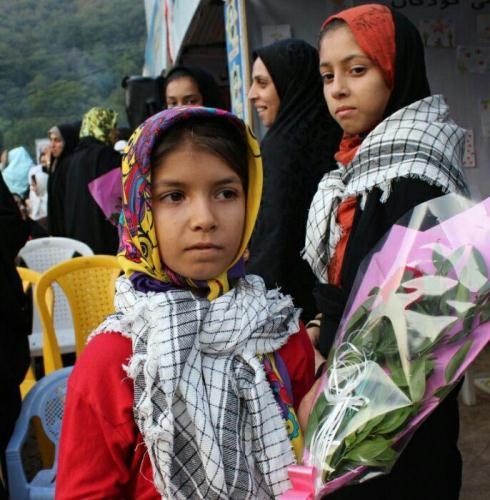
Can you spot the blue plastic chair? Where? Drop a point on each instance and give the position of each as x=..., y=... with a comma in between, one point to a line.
x=46, y=401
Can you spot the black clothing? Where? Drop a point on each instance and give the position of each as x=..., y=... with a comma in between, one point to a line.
x=84, y=220
x=57, y=179
x=297, y=150
x=14, y=322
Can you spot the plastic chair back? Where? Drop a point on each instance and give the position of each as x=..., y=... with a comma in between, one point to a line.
x=40, y=254
x=30, y=279
x=89, y=285
x=46, y=401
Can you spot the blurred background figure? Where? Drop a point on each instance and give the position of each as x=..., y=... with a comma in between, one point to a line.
x=297, y=151
x=191, y=86
x=45, y=158
x=14, y=320
x=94, y=156
x=63, y=140
x=16, y=173
x=38, y=197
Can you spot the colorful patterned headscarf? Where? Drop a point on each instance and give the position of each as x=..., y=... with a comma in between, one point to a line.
x=97, y=123
x=138, y=254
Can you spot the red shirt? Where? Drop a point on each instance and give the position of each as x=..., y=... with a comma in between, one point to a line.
x=102, y=453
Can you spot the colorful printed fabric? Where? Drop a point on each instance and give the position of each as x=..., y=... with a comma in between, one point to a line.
x=278, y=379
x=139, y=254
x=98, y=123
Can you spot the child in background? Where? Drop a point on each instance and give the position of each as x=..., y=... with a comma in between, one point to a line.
x=399, y=149
x=189, y=390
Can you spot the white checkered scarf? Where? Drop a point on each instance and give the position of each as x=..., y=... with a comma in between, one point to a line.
x=202, y=402
x=418, y=141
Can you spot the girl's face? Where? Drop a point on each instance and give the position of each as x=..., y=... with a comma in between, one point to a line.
x=263, y=94
x=353, y=86
x=183, y=91
x=198, y=206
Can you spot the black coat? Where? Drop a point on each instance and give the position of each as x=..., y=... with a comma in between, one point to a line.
x=83, y=218
x=14, y=317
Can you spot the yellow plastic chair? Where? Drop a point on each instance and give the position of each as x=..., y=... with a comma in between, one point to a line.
x=30, y=279
x=88, y=284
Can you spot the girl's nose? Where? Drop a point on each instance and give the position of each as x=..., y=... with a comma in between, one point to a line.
x=338, y=87
x=203, y=217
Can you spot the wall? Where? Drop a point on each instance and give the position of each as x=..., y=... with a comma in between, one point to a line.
x=462, y=90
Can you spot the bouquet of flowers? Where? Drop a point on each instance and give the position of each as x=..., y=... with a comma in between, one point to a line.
x=417, y=316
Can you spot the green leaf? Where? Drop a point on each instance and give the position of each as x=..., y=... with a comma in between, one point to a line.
x=394, y=420
x=367, y=452
x=417, y=379
x=318, y=414
x=456, y=361
x=443, y=391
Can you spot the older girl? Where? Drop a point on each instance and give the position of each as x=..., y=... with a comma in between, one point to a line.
x=399, y=148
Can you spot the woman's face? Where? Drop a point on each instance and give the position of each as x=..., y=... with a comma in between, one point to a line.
x=263, y=94
x=183, y=91
x=353, y=86
x=57, y=144
x=198, y=207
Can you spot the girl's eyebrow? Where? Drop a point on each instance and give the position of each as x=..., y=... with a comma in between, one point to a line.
x=186, y=96
x=345, y=59
x=177, y=183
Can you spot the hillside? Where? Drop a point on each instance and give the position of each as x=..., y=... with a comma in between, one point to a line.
x=60, y=58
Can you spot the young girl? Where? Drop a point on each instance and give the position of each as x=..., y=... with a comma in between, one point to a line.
x=189, y=389
x=399, y=149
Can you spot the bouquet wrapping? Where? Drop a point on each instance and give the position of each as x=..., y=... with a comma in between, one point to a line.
x=417, y=316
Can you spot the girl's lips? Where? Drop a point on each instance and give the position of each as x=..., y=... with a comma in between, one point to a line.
x=203, y=246
x=343, y=112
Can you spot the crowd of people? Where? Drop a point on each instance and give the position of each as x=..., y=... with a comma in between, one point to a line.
x=238, y=260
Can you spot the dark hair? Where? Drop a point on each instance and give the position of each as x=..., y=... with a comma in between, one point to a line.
x=218, y=136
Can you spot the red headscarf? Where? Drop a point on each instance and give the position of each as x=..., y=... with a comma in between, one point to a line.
x=374, y=30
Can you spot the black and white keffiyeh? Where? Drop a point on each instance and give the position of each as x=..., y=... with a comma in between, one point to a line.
x=418, y=141
x=201, y=398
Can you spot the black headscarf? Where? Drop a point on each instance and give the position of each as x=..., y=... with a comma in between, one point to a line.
x=211, y=94
x=297, y=150
x=411, y=82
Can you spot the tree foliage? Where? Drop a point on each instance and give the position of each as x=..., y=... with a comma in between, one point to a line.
x=59, y=59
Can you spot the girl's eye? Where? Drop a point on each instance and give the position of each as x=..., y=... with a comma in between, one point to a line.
x=358, y=70
x=327, y=77
x=173, y=197
x=227, y=194
x=191, y=101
